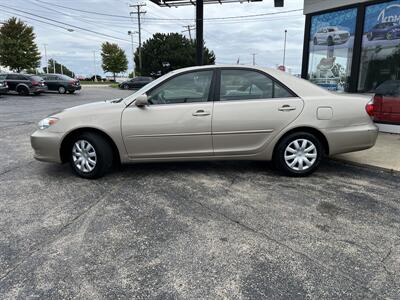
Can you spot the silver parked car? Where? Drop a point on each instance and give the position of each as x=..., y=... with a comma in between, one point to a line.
x=210, y=113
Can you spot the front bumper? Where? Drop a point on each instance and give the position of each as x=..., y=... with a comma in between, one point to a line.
x=3, y=90
x=46, y=145
x=74, y=88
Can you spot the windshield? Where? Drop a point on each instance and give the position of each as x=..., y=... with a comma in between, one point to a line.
x=147, y=87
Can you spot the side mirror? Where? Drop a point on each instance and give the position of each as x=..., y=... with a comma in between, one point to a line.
x=141, y=100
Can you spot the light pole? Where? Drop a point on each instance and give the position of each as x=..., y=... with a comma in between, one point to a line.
x=94, y=65
x=45, y=57
x=131, y=33
x=284, y=49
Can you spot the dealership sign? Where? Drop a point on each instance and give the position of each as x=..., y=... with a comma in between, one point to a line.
x=391, y=13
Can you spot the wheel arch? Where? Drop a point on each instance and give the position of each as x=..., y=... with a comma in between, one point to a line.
x=19, y=85
x=67, y=141
x=317, y=133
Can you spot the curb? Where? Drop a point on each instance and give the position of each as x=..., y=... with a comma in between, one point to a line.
x=377, y=168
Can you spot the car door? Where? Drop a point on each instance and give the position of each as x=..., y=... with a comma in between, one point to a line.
x=177, y=121
x=12, y=80
x=252, y=109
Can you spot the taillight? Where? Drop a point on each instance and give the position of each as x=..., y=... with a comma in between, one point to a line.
x=369, y=108
x=35, y=83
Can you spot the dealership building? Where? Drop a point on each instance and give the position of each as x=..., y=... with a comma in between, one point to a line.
x=354, y=46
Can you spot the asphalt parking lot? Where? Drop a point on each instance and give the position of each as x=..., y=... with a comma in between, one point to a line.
x=217, y=230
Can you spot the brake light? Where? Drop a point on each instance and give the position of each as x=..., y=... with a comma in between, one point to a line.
x=369, y=108
x=35, y=83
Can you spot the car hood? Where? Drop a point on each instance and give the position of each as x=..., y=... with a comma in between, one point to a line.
x=93, y=108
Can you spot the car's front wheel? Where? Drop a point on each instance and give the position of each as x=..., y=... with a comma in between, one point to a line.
x=91, y=156
x=298, y=154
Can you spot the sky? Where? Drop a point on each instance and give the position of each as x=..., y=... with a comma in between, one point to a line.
x=230, y=39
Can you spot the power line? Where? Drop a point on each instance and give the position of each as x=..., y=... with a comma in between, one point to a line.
x=173, y=19
x=74, y=26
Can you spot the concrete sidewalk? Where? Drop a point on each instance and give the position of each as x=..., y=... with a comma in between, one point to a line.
x=385, y=154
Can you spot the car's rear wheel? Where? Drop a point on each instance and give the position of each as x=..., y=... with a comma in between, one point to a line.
x=389, y=36
x=91, y=156
x=370, y=36
x=315, y=41
x=62, y=90
x=23, y=91
x=298, y=154
x=125, y=87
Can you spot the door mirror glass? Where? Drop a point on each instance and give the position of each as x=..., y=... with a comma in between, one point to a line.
x=141, y=101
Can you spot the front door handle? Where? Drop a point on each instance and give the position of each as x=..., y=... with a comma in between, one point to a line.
x=286, y=107
x=200, y=113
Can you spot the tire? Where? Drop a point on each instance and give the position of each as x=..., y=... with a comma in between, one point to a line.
x=125, y=87
x=94, y=148
x=23, y=91
x=285, y=157
x=62, y=90
x=315, y=41
x=370, y=36
x=389, y=36
x=330, y=41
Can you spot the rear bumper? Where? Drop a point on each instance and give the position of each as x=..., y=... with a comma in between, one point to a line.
x=349, y=139
x=46, y=145
x=39, y=89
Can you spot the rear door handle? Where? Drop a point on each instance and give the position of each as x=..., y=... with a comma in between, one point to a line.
x=200, y=113
x=286, y=107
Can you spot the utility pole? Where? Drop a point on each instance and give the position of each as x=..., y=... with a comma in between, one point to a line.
x=45, y=57
x=189, y=29
x=94, y=65
x=284, y=49
x=139, y=12
x=54, y=66
x=254, y=59
x=199, y=33
x=62, y=71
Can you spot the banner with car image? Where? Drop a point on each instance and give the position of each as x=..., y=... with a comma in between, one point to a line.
x=382, y=24
x=331, y=47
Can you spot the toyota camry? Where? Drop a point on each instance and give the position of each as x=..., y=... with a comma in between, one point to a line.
x=210, y=113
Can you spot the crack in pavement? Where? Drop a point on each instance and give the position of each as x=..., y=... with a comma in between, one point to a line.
x=16, y=167
x=42, y=245
x=309, y=258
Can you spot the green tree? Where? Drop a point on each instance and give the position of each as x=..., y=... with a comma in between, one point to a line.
x=18, y=49
x=164, y=52
x=114, y=58
x=51, y=64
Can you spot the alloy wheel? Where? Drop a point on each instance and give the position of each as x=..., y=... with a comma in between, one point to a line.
x=300, y=154
x=84, y=156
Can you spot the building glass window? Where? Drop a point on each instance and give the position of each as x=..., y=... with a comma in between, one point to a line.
x=331, y=48
x=380, y=56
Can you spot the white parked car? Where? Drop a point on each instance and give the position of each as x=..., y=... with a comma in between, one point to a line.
x=331, y=35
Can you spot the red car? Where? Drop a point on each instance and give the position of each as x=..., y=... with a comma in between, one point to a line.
x=387, y=102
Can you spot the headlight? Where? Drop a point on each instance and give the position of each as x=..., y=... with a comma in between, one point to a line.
x=1, y=84
x=46, y=123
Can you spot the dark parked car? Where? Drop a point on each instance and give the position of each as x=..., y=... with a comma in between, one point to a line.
x=61, y=83
x=3, y=84
x=135, y=83
x=386, y=30
x=25, y=84
x=387, y=102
